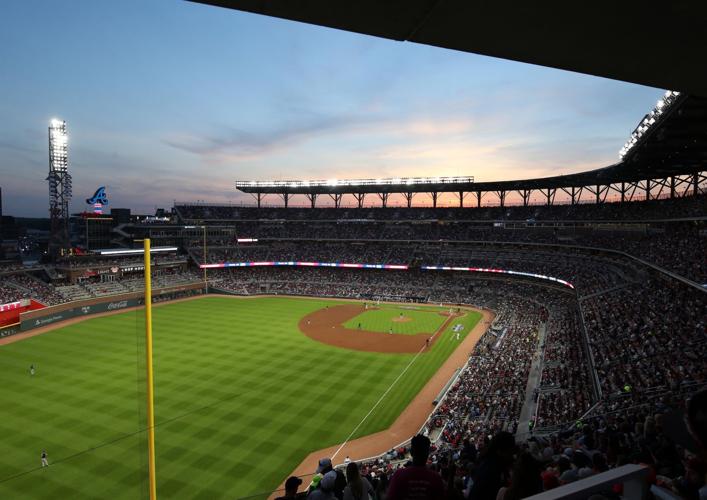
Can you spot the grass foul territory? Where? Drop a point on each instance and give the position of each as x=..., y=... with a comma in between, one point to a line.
x=241, y=397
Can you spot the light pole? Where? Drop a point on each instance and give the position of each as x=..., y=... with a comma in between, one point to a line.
x=206, y=283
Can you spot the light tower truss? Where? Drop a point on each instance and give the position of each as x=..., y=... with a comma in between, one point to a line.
x=59, y=181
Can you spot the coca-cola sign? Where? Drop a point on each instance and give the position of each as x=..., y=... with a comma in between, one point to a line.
x=118, y=305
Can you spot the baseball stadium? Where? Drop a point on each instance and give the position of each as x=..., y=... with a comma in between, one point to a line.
x=542, y=337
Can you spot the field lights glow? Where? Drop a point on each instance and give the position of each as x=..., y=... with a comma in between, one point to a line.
x=502, y=271
x=397, y=181
x=661, y=106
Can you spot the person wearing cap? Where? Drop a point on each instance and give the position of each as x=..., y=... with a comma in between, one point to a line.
x=291, y=485
x=416, y=481
x=325, y=491
x=323, y=468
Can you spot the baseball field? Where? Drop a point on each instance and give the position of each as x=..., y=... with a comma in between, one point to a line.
x=245, y=389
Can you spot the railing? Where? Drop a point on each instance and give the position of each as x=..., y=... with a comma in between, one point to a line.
x=632, y=476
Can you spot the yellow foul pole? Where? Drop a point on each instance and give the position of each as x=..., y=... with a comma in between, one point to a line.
x=150, y=379
x=206, y=285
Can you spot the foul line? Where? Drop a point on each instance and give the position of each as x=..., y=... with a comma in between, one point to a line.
x=441, y=329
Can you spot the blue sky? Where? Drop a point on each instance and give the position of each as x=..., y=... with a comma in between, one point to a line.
x=170, y=100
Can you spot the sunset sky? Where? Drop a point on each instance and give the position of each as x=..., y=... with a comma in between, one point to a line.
x=167, y=100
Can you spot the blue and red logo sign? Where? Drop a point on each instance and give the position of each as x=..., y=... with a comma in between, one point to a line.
x=98, y=200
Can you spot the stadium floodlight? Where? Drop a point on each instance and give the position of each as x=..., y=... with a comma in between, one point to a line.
x=649, y=120
x=395, y=181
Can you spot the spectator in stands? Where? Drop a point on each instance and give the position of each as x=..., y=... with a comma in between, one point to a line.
x=325, y=488
x=494, y=470
x=697, y=420
x=324, y=467
x=416, y=481
x=357, y=487
x=525, y=479
x=291, y=486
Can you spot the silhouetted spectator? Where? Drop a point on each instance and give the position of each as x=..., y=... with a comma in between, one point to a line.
x=416, y=481
x=357, y=487
x=494, y=470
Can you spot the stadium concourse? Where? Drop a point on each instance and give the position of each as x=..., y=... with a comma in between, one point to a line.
x=599, y=337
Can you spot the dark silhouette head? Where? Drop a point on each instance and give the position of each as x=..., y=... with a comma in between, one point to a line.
x=420, y=449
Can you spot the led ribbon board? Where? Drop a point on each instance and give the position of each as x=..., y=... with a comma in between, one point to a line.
x=501, y=271
x=302, y=264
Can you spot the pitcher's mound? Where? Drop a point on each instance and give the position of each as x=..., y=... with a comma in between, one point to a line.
x=402, y=319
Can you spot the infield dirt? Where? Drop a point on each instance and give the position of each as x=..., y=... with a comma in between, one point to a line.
x=326, y=326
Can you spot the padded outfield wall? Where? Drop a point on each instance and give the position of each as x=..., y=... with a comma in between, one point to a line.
x=49, y=315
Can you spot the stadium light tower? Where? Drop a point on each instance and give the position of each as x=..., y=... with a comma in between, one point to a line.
x=59, y=181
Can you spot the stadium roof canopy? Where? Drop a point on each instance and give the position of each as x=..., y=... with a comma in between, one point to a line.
x=627, y=40
x=656, y=44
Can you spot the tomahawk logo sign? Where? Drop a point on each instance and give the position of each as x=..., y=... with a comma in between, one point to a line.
x=98, y=200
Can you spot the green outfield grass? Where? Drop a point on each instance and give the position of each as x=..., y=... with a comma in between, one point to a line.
x=241, y=398
x=422, y=320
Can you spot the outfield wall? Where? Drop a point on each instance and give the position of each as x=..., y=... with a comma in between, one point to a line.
x=49, y=315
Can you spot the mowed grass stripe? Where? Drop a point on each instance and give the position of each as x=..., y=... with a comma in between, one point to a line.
x=241, y=398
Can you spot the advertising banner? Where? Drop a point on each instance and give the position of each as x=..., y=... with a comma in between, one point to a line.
x=47, y=320
x=9, y=330
x=78, y=311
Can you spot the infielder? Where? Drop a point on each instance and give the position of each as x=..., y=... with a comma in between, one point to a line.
x=45, y=463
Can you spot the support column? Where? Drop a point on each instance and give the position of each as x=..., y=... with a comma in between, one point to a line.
x=285, y=197
x=258, y=197
x=312, y=197
x=434, y=195
x=550, y=196
x=574, y=201
x=648, y=189
x=525, y=195
x=501, y=197
x=337, y=199
x=384, y=199
x=359, y=197
x=478, y=199
x=408, y=198
x=623, y=192
x=695, y=183
x=672, y=187
x=461, y=199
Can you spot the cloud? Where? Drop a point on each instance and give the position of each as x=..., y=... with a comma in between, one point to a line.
x=237, y=144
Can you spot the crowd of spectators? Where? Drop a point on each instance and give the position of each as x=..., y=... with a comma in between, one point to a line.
x=565, y=391
x=692, y=206
x=501, y=466
x=678, y=246
x=588, y=273
x=648, y=337
x=18, y=286
x=488, y=395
